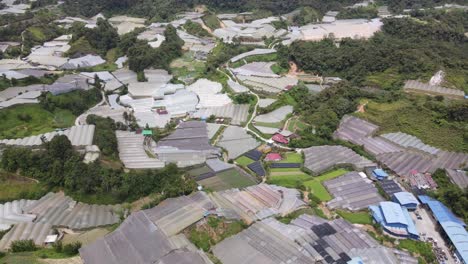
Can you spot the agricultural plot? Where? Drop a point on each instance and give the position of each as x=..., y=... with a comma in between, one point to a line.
x=316, y=187
x=27, y=120
x=232, y=178
x=244, y=161
x=322, y=158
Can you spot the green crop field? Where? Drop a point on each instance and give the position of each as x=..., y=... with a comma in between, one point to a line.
x=244, y=161
x=292, y=157
x=356, y=217
x=235, y=179
x=289, y=181
x=31, y=119
x=316, y=187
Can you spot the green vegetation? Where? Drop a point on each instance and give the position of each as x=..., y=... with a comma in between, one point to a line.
x=222, y=53
x=5, y=83
x=211, y=21
x=408, y=47
x=244, y=161
x=23, y=246
x=418, y=248
x=77, y=101
x=426, y=118
x=101, y=38
x=363, y=218
x=292, y=157
x=16, y=187
x=213, y=231
x=142, y=56
x=293, y=180
x=306, y=15
x=450, y=194
x=195, y=29
x=367, y=12
x=287, y=219
x=318, y=189
x=27, y=120
x=104, y=135
x=59, y=166
x=235, y=179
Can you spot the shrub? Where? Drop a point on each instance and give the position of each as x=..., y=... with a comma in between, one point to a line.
x=72, y=249
x=58, y=247
x=23, y=246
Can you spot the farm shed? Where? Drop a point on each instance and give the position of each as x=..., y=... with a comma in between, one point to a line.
x=406, y=199
x=394, y=219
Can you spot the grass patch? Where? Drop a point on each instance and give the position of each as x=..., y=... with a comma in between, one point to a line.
x=211, y=21
x=272, y=125
x=356, y=217
x=413, y=118
x=14, y=187
x=292, y=157
x=318, y=190
x=199, y=171
x=31, y=119
x=316, y=187
x=289, y=181
x=278, y=69
x=244, y=161
x=295, y=125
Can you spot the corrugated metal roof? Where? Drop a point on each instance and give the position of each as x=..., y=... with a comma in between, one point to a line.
x=453, y=226
x=406, y=198
x=393, y=213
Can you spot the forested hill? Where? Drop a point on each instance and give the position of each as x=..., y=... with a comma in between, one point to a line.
x=157, y=10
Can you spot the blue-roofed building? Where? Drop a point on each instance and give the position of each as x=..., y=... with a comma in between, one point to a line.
x=379, y=174
x=406, y=199
x=394, y=219
x=451, y=227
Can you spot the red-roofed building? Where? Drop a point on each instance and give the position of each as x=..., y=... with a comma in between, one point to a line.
x=273, y=157
x=278, y=138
